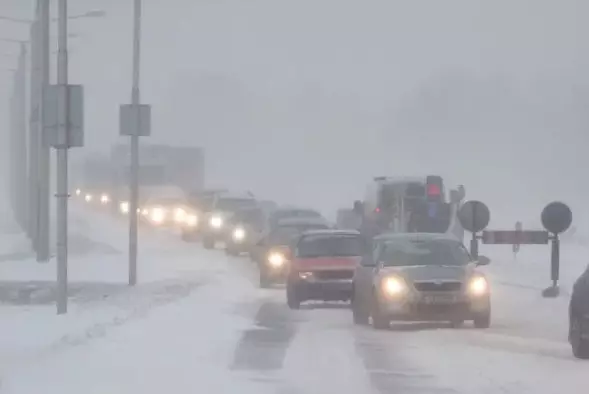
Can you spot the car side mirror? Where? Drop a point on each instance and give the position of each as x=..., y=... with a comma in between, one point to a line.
x=483, y=260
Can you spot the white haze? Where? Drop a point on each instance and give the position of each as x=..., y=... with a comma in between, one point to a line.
x=304, y=101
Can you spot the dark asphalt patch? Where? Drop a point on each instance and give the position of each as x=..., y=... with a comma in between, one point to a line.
x=389, y=371
x=264, y=347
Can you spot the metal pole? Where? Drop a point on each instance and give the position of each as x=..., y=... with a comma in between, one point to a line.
x=44, y=162
x=20, y=139
x=62, y=158
x=35, y=118
x=135, y=100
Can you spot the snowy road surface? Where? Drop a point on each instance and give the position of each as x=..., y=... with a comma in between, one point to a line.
x=202, y=325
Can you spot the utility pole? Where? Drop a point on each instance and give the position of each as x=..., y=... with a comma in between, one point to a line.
x=19, y=144
x=34, y=128
x=135, y=101
x=44, y=173
x=63, y=120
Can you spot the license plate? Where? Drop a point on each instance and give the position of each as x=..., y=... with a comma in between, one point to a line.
x=439, y=299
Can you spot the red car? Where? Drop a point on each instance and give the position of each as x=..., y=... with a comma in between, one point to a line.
x=323, y=265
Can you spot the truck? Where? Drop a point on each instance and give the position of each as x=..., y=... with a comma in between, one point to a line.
x=408, y=204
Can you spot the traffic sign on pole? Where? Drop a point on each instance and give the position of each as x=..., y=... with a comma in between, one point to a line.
x=474, y=216
x=557, y=217
x=511, y=237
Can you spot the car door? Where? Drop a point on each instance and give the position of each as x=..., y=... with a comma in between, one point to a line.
x=364, y=273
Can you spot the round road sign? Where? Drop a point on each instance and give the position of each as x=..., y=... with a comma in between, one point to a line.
x=474, y=216
x=556, y=217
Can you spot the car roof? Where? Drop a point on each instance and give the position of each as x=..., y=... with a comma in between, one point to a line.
x=301, y=220
x=331, y=232
x=415, y=237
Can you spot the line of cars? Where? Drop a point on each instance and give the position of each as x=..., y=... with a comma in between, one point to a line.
x=391, y=277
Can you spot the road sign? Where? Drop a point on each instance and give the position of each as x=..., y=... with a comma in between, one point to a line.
x=556, y=217
x=474, y=216
x=502, y=237
x=128, y=116
x=52, y=132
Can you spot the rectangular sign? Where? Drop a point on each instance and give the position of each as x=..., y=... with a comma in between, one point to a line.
x=53, y=133
x=512, y=237
x=135, y=119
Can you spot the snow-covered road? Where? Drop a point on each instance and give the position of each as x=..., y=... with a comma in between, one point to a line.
x=198, y=323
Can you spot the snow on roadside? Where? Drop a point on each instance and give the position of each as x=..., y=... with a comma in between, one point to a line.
x=169, y=350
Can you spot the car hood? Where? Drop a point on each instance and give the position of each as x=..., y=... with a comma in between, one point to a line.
x=326, y=263
x=425, y=273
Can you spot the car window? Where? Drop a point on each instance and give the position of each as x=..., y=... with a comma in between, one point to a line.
x=423, y=252
x=329, y=245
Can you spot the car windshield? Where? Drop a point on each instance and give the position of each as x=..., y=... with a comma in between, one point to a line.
x=233, y=204
x=283, y=235
x=424, y=252
x=329, y=245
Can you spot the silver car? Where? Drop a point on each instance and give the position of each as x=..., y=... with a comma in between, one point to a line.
x=420, y=277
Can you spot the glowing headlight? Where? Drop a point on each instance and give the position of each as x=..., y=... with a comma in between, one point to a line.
x=394, y=286
x=88, y=197
x=78, y=192
x=124, y=207
x=478, y=286
x=238, y=234
x=144, y=212
x=276, y=259
x=104, y=199
x=192, y=220
x=179, y=215
x=216, y=222
x=158, y=215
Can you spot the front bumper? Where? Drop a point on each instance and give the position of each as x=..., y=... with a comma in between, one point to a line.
x=324, y=290
x=435, y=307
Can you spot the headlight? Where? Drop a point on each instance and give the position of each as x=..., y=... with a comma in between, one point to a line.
x=238, y=234
x=78, y=192
x=124, y=207
x=478, y=286
x=192, y=220
x=144, y=212
x=393, y=286
x=158, y=215
x=276, y=259
x=104, y=199
x=216, y=222
x=179, y=215
x=88, y=197
x=305, y=275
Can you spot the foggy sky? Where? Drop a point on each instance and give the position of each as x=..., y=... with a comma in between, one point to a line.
x=304, y=101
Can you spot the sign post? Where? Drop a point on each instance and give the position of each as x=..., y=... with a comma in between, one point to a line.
x=556, y=218
x=517, y=243
x=474, y=216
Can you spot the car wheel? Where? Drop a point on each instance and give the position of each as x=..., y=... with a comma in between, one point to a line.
x=379, y=320
x=483, y=320
x=360, y=317
x=208, y=243
x=292, y=299
x=579, y=345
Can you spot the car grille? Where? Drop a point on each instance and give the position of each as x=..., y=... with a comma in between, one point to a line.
x=433, y=286
x=334, y=275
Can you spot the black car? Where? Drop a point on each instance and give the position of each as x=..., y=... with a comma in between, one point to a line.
x=579, y=317
x=272, y=252
x=244, y=229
